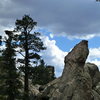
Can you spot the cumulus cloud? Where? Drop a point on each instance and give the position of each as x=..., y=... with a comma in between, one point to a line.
x=53, y=55
x=62, y=17
x=94, y=56
x=51, y=35
x=94, y=53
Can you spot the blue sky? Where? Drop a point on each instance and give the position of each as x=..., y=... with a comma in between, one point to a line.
x=62, y=23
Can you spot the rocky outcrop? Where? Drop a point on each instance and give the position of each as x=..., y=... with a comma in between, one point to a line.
x=79, y=81
x=94, y=73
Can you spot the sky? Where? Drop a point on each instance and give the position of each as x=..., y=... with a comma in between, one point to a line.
x=62, y=24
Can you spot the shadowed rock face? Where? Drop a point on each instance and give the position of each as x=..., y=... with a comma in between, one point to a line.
x=76, y=82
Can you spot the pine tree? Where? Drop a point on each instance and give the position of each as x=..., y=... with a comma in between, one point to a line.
x=41, y=74
x=11, y=83
x=2, y=82
x=0, y=40
x=30, y=45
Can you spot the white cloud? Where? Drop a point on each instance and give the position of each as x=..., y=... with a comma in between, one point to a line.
x=94, y=53
x=83, y=36
x=51, y=35
x=2, y=47
x=3, y=28
x=53, y=55
x=76, y=36
x=94, y=56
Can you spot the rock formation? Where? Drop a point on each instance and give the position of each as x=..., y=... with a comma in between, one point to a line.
x=79, y=81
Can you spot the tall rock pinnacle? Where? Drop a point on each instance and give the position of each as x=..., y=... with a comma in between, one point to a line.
x=77, y=82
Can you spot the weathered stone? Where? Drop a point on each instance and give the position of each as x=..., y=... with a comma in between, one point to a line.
x=94, y=73
x=97, y=88
x=96, y=96
x=78, y=82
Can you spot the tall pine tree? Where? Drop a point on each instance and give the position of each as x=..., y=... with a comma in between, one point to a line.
x=11, y=83
x=30, y=45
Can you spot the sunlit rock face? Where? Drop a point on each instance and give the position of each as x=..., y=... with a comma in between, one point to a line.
x=75, y=60
x=75, y=83
x=79, y=81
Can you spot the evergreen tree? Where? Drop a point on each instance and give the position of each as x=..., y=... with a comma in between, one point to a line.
x=0, y=40
x=11, y=84
x=30, y=45
x=42, y=74
x=2, y=82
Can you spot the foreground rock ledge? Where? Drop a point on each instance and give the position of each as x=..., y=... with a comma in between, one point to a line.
x=77, y=82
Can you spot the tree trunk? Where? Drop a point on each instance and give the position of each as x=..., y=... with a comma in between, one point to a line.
x=26, y=83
